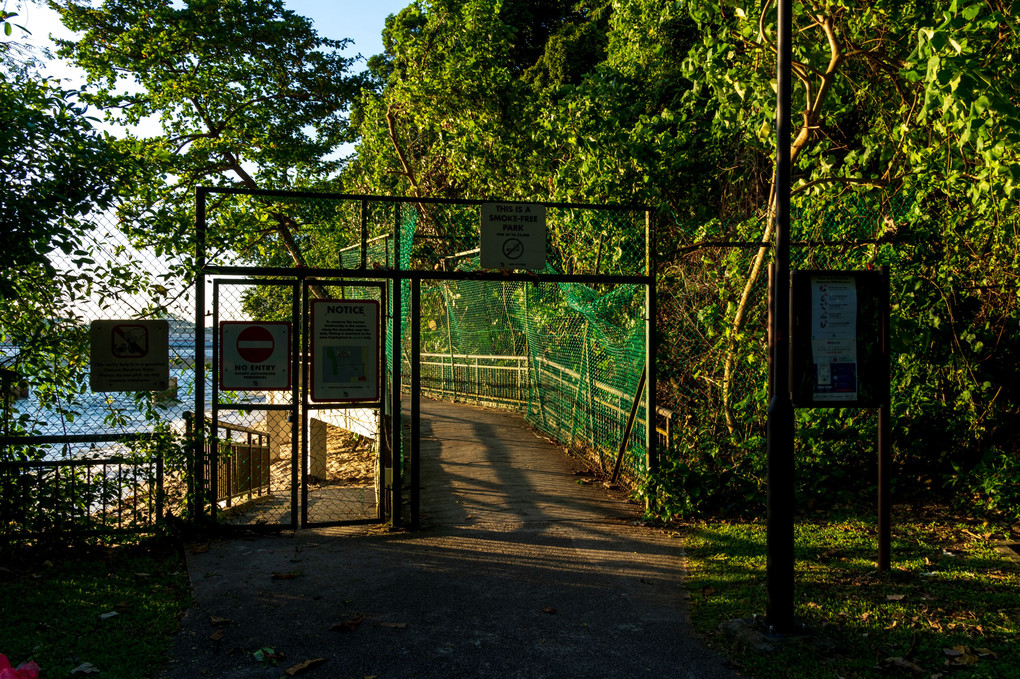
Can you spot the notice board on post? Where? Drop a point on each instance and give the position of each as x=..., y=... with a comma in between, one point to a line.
x=839, y=355
x=345, y=350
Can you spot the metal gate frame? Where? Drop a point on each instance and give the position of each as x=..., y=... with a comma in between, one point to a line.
x=394, y=278
x=299, y=284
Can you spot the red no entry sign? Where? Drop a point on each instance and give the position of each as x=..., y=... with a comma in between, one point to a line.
x=254, y=356
x=255, y=344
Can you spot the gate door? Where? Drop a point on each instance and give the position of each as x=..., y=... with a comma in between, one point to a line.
x=343, y=391
x=296, y=401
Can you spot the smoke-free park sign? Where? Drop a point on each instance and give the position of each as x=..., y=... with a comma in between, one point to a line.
x=513, y=236
x=345, y=350
x=254, y=356
x=129, y=355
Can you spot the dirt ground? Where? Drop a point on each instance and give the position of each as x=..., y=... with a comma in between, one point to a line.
x=350, y=461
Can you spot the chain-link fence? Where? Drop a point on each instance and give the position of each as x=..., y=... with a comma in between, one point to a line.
x=568, y=354
x=74, y=461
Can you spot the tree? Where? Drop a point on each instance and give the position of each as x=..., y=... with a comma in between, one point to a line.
x=246, y=93
x=55, y=168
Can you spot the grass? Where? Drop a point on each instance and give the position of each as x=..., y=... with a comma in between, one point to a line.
x=949, y=605
x=54, y=609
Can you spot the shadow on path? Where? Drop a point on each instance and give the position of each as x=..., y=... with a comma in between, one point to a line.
x=518, y=571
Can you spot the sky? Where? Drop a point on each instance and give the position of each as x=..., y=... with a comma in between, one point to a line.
x=358, y=20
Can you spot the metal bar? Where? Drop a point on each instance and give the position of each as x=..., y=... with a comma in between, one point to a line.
x=885, y=438
x=630, y=424
x=415, y=404
x=651, y=309
x=449, y=340
x=381, y=274
x=74, y=438
x=299, y=427
x=198, y=449
x=396, y=435
x=400, y=199
x=214, y=443
x=364, y=233
x=780, y=429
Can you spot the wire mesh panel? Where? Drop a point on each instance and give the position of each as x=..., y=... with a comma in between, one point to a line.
x=346, y=451
x=249, y=468
x=75, y=461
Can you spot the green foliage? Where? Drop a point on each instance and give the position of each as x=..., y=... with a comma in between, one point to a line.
x=948, y=588
x=54, y=169
x=244, y=90
x=147, y=589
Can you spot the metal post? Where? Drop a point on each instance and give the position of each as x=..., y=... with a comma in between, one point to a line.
x=396, y=435
x=298, y=427
x=214, y=407
x=415, y=452
x=651, y=456
x=780, y=434
x=884, y=436
x=364, y=233
x=198, y=449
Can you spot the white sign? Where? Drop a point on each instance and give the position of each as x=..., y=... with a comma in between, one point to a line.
x=129, y=356
x=834, y=337
x=513, y=236
x=254, y=356
x=345, y=350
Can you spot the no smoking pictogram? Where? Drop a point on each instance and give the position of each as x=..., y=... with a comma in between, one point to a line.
x=255, y=344
x=513, y=248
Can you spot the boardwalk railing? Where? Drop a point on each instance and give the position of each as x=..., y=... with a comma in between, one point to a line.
x=84, y=496
x=242, y=464
x=592, y=416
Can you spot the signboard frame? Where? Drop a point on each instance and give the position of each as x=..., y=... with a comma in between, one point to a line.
x=861, y=310
x=138, y=361
x=513, y=236
x=323, y=339
x=280, y=357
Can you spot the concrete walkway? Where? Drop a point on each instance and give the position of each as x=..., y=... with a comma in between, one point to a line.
x=518, y=571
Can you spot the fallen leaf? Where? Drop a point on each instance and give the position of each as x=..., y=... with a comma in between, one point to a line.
x=550, y=610
x=301, y=667
x=217, y=635
x=286, y=576
x=347, y=625
x=398, y=625
x=960, y=656
x=108, y=615
x=903, y=663
x=85, y=668
x=984, y=652
x=896, y=597
x=143, y=575
x=199, y=549
x=707, y=590
x=217, y=620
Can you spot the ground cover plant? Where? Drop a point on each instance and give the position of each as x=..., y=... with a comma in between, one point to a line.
x=949, y=606
x=111, y=610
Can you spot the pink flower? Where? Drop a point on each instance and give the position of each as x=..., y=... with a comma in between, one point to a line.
x=27, y=670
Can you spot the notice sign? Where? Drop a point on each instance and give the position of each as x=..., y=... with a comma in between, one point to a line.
x=834, y=337
x=254, y=356
x=513, y=236
x=129, y=356
x=345, y=350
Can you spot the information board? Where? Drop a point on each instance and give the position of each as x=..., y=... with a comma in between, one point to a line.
x=838, y=351
x=255, y=356
x=513, y=236
x=345, y=342
x=129, y=355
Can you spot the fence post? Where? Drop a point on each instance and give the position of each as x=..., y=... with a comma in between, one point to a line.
x=630, y=424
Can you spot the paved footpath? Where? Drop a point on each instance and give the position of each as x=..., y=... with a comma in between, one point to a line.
x=518, y=571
